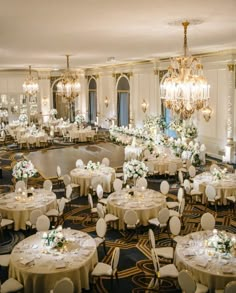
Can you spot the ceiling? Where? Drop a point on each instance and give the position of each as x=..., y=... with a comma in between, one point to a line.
x=41, y=32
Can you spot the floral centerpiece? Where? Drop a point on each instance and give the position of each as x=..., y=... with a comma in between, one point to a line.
x=23, y=118
x=23, y=170
x=221, y=241
x=92, y=166
x=79, y=119
x=161, y=122
x=190, y=131
x=218, y=173
x=53, y=112
x=54, y=238
x=134, y=169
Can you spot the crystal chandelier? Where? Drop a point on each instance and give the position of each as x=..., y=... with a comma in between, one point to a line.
x=30, y=85
x=184, y=89
x=69, y=86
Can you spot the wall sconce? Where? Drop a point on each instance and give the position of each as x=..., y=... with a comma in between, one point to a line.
x=207, y=112
x=106, y=102
x=45, y=100
x=144, y=106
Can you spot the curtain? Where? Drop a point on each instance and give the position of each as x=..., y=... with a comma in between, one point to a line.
x=123, y=109
x=92, y=106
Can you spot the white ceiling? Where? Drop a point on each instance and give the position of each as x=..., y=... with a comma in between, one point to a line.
x=41, y=32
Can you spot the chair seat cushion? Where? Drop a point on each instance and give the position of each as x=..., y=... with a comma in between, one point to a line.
x=103, y=201
x=201, y=288
x=6, y=222
x=166, y=252
x=73, y=185
x=4, y=260
x=52, y=213
x=195, y=192
x=98, y=241
x=154, y=221
x=94, y=210
x=231, y=198
x=102, y=269
x=11, y=285
x=172, y=204
x=111, y=218
x=174, y=213
x=169, y=271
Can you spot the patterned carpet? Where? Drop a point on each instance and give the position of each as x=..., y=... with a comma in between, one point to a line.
x=135, y=266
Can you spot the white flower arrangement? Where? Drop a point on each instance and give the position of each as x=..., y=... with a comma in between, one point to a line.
x=93, y=166
x=23, y=170
x=190, y=131
x=218, y=174
x=23, y=118
x=221, y=241
x=150, y=121
x=54, y=238
x=135, y=169
x=79, y=119
x=53, y=112
x=3, y=113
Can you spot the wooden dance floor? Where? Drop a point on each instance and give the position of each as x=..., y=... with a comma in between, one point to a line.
x=46, y=161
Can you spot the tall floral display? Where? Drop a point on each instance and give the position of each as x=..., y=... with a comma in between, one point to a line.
x=23, y=170
x=134, y=169
x=79, y=119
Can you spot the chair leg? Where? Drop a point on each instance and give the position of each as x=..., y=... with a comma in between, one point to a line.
x=104, y=247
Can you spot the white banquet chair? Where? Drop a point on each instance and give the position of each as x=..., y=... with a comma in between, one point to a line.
x=93, y=210
x=175, y=228
x=106, y=162
x=4, y=223
x=79, y=163
x=190, y=192
x=208, y=221
x=189, y=285
x=229, y=288
x=117, y=185
x=175, y=204
x=101, y=230
x=164, y=187
x=99, y=191
x=103, y=269
x=47, y=185
x=31, y=223
x=141, y=182
x=131, y=221
x=211, y=195
x=64, y=285
x=179, y=213
x=11, y=285
x=109, y=218
x=55, y=214
x=161, y=222
x=42, y=223
x=59, y=176
x=192, y=172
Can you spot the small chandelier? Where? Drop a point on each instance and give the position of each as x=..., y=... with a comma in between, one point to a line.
x=30, y=85
x=106, y=102
x=184, y=89
x=69, y=86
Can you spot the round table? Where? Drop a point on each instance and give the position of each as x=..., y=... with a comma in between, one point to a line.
x=146, y=202
x=208, y=268
x=83, y=177
x=224, y=187
x=161, y=164
x=15, y=207
x=81, y=134
x=38, y=267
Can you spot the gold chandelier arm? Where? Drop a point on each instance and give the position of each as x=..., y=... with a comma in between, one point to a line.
x=29, y=69
x=185, y=25
x=67, y=62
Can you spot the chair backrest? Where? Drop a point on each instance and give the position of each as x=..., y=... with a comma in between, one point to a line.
x=164, y=187
x=180, y=194
x=192, y=171
x=115, y=259
x=66, y=179
x=117, y=184
x=155, y=260
x=64, y=285
x=106, y=162
x=99, y=191
x=34, y=216
x=90, y=200
x=210, y=192
x=130, y=217
x=58, y=171
x=68, y=191
x=230, y=287
x=47, y=185
x=175, y=225
x=180, y=176
x=79, y=163
x=141, y=182
x=163, y=215
x=20, y=185
x=151, y=238
x=101, y=227
x=61, y=205
x=100, y=210
x=186, y=282
x=187, y=184
x=42, y=223
x=208, y=221
x=181, y=207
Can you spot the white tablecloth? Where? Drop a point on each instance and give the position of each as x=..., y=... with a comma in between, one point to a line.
x=213, y=271
x=46, y=266
x=161, y=164
x=19, y=209
x=83, y=177
x=147, y=203
x=82, y=134
x=224, y=187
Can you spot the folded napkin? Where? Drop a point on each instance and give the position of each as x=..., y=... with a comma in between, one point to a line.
x=202, y=262
x=60, y=264
x=26, y=260
x=227, y=270
x=189, y=252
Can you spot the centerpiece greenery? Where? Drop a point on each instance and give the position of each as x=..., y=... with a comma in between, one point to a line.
x=54, y=238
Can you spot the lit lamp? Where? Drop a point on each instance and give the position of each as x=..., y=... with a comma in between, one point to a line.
x=144, y=106
x=106, y=102
x=30, y=85
x=207, y=112
x=184, y=89
x=69, y=88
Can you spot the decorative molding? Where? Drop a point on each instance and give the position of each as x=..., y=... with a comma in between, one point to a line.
x=95, y=76
x=156, y=72
x=230, y=67
x=118, y=75
x=53, y=79
x=161, y=74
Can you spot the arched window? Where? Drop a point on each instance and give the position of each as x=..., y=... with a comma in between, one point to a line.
x=92, y=100
x=123, y=103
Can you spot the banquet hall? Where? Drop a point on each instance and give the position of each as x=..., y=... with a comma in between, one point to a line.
x=117, y=152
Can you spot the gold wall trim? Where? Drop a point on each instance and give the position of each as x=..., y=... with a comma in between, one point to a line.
x=230, y=67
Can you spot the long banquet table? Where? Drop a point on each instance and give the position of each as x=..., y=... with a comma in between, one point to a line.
x=38, y=267
x=83, y=177
x=146, y=202
x=18, y=208
x=208, y=267
x=224, y=187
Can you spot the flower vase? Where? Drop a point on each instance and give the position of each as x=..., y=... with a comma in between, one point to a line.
x=25, y=180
